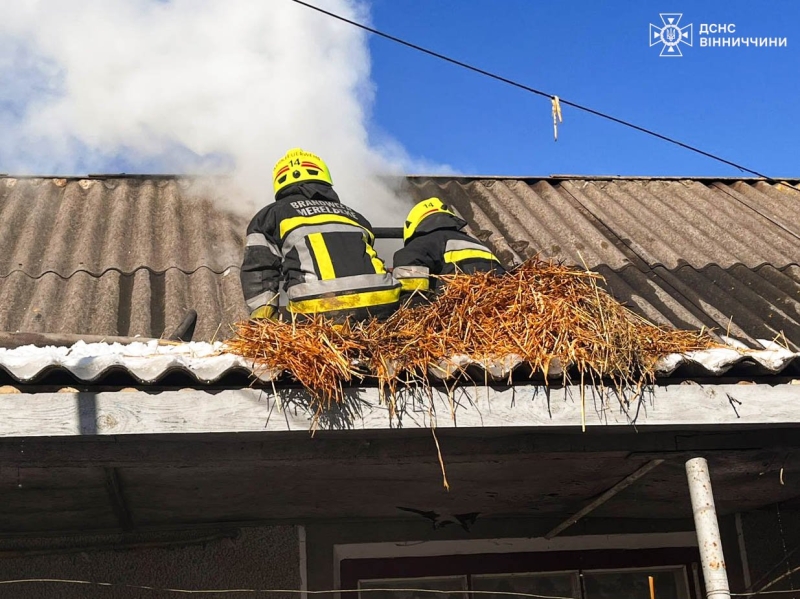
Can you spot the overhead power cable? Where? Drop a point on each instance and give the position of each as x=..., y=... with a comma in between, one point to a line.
x=432, y=592
x=538, y=92
x=239, y=591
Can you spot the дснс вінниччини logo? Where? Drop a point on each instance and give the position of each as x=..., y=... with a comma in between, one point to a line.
x=671, y=34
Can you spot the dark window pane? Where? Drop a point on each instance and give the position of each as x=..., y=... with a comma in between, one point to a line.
x=552, y=585
x=443, y=583
x=669, y=584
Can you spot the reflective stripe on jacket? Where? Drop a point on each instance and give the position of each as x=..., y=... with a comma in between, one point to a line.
x=412, y=278
x=323, y=252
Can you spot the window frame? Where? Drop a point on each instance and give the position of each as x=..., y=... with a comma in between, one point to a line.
x=354, y=570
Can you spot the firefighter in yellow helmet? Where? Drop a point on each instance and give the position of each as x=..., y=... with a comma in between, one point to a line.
x=434, y=244
x=320, y=249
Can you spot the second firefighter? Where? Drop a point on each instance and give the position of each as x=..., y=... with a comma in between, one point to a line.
x=435, y=244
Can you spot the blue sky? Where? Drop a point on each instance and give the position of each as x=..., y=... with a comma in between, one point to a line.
x=227, y=86
x=741, y=103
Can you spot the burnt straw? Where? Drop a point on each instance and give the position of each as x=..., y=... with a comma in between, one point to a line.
x=545, y=314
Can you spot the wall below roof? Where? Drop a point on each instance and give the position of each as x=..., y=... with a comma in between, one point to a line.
x=772, y=539
x=257, y=558
x=268, y=557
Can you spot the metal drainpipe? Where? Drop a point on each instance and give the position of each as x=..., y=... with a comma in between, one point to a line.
x=705, y=522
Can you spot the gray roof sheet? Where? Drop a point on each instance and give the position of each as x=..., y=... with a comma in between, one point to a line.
x=621, y=222
x=716, y=253
x=129, y=255
x=122, y=255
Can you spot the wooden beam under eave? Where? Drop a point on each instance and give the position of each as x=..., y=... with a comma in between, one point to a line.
x=679, y=407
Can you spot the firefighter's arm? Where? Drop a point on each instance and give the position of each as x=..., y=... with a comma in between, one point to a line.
x=261, y=272
x=412, y=278
x=411, y=270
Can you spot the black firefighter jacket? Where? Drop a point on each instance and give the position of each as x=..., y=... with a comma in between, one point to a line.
x=440, y=247
x=323, y=252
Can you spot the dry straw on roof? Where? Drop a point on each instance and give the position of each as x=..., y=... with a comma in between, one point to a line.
x=546, y=314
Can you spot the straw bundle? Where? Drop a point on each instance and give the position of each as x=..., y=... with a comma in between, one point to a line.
x=543, y=312
x=316, y=352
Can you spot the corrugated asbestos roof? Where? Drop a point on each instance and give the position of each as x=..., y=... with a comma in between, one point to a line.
x=208, y=363
x=128, y=256
x=713, y=253
x=123, y=256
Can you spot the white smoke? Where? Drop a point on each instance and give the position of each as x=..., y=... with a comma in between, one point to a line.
x=193, y=86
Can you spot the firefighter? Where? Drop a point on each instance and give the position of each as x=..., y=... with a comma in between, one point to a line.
x=434, y=244
x=320, y=249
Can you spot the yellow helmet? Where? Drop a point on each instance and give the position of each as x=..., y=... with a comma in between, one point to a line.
x=420, y=212
x=298, y=165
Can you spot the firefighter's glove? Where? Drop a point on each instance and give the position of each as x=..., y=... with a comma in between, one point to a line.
x=264, y=313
